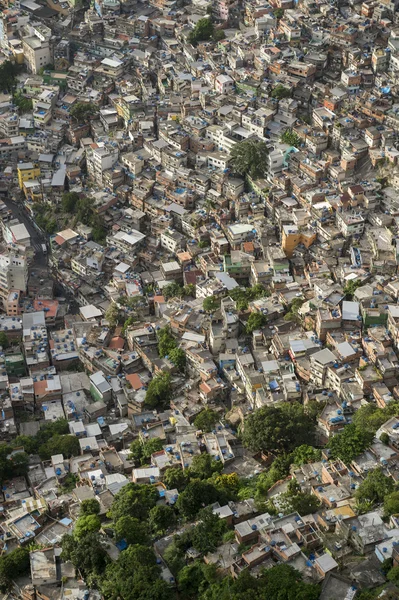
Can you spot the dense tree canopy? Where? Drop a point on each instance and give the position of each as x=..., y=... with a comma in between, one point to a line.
x=87, y=554
x=280, y=428
x=69, y=201
x=161, y=518
x=86, y=524
x=350, y=443
x=370, y=417
x=132, y=530
x=206, y=420
x=291, y=138
x=12, y=565
x=375, y=487
x=81, y=112
x=91, y=506
x=23, y=103
x=207, y=534
x=256, y=320
x=198, y=494
x=305, y=454
x=242, y=296
x=280, y=92
x=211, y=303
x=135, y=576
x=391, y=504
x=141, y=450
x=159, y=391
x=8, y=76
x=281, y=582
x=202, y=31
x=249, y=157
x=134, y=500
x=203, y=466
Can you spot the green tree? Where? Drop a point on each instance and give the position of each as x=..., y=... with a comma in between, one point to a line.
x=141, y=451
x=218, y=35
x=135, y=576
x=209, y=531
x=85, y=211
x=86, y=524
x=192, y=580
x=293, y=312
x=242, y=296
x=159, y=391
x=81, y=112
x=189, y=290
x=3, y=340
x=133, y=500
x=112, y=315
x=99, y=233
x=370, y=417
x=202, y=32
x=91, y=506
x=281, y=582
x=291, y=138
x=175, y=478
x=209, y=205
x=178, y=357
x=350, y=443
x=384, y=438
x=174, y=557
x=68, y=445
x=256, y=320
x=8, y=76
x=393, y=575
x=391, y=504
x=162, y=517
x=133, y=531
x=278, y=428
x=206, y=420
x=129, y=321
x=249, y=157
x=351, y=287
x=173, y=290
x=281, y=92
x=375, y=487
x=211, y=303
x=23, y=103
x=285, y=582
x=69, y=201
x=166, y=341
x=136, y=451
x=228, y=484
x=304, y=504
x=87, y=554
x=197, y=495
x=203, y=466
x=305, y=454
x=12, y=565
x=278, y=13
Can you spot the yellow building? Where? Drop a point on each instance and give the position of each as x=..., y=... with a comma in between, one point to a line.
x=292, y=237
x=27, y=172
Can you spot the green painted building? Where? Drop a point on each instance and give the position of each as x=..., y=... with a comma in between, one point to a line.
x=15, y=364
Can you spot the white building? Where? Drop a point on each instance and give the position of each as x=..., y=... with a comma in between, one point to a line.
x=350, y=224
x=101, y=158
x=224, y=84
x=13, y=275
x=36, y=53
